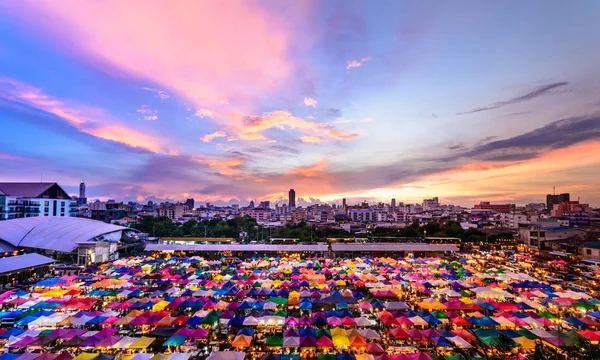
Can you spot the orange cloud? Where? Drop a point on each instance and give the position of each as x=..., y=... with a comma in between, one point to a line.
x=88, y=120
x=313, y=170
x=310, y=139
x=280, y=119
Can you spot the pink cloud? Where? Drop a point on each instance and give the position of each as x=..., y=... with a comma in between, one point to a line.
x=86, y=119
x=161, y=94
x=210, y=137
x=357, y=63
x=4, y=156
x=148, y=113
x=308, y=101
x=205, y=51
x=202, y=113
x=348, y=121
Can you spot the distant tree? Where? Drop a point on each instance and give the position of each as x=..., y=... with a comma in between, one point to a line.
x=582, y=349
x=544, y=352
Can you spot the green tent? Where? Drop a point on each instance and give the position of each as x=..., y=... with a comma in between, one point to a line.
x=546, y=315
x=278, y=300
x=281, y=313
x=175, y=340
x=440, y=315
x=487, y=336
x=323, y=332
x=326, y=357
x=274, y=340
x=528, y=334
x=585, y=305
x=211, y=318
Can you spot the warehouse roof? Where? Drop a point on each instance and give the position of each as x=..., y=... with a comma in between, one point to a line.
x=393, y=247
x=25, y=261
x=236, y=247
x=57, y=233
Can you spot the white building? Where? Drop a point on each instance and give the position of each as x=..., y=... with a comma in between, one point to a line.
x=362, y=215
x=172, y=211
x=512, y=220
x=23, y=200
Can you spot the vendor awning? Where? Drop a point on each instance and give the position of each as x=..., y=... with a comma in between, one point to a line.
x=21, y=262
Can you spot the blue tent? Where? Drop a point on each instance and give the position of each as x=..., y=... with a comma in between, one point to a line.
x=574, y=322
x=246, y=331
x=308, y=332
x=236, y=321
x=482, y=321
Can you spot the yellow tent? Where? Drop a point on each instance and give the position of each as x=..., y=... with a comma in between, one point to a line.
x=161, y=305
x=54, y=293
x=142, y=342
x=525, y=342
x=338, y=332
x=341, y=341
x=86, y=356
x=160, y=356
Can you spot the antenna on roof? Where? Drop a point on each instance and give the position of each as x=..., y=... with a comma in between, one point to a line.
x=554, y=190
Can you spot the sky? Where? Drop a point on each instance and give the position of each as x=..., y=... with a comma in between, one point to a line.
x=228, y=101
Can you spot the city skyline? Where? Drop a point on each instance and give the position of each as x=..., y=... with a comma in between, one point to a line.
x=335, y=100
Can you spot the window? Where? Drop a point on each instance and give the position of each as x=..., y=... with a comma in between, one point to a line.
x=46, y=209
x=46, y=203
x=588, y=251
x=62, y=203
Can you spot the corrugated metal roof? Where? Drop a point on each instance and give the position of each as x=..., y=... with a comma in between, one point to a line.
x=393, y=247
x=20, y=262
x=236, y=247
x=55, y=233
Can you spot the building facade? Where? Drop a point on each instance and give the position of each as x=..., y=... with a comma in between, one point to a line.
x=552, y=199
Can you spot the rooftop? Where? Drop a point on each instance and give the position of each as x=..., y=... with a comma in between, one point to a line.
x=33, y=190
x=56, y=233
x=20, y=262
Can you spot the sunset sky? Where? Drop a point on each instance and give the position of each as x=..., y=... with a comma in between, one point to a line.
x=227, y=101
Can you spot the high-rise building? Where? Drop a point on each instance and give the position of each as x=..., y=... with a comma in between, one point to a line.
x=344, y=203
x=265, y=204
x=552, y=199
x=292, y=199
x=393, y=204
x=190, y=203
x=82, y=200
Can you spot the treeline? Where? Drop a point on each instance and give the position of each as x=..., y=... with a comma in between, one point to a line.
x=246, y=227
x=449, y=229
x=237, y=228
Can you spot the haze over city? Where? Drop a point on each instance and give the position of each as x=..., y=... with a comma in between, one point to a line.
x=225, y=102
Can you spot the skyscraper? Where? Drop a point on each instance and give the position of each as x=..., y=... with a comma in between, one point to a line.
x=344, y=203
x=82, y=200
x=393, y=204
x=292, y=199
x=190, y=203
